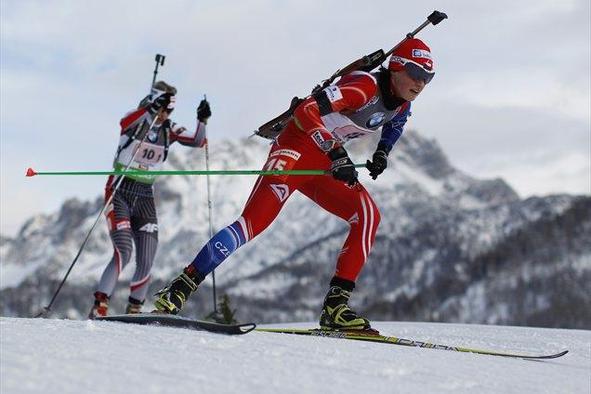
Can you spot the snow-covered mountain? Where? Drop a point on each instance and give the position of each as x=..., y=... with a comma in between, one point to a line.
x=64, y=356
x=449, y=248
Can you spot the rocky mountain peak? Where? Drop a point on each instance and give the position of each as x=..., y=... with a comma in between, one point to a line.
x=442, y=237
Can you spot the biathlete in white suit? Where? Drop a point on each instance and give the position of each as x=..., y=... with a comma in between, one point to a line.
x=131, y=215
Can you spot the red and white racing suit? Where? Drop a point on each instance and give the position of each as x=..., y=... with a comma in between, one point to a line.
x=300, y=147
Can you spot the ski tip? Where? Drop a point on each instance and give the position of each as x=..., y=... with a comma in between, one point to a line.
x=547, y=357
x=247, y=327
x=560, y=354
x=31, y=172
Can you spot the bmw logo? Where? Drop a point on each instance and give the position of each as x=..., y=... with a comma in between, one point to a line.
x=153, y=136
x=375, y=120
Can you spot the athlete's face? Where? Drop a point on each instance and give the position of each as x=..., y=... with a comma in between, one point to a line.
x=162, y=116
x=404, y=86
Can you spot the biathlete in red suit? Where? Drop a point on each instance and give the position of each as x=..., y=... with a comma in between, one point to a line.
x=357, y=105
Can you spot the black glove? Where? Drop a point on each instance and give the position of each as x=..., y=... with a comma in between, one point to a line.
x=379, y=164
x=203, y=111
x=160, y=102
x=342, y=167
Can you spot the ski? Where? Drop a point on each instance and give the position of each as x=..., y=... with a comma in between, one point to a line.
x=374, y=336
x=180, y=322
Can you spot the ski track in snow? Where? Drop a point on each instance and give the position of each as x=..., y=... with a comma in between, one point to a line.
x=67, y=356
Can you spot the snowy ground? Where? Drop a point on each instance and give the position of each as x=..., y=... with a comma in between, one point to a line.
x=64, y=356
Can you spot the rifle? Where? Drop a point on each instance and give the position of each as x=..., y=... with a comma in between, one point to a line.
x=274, y=127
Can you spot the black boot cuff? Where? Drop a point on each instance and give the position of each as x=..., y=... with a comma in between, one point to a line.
x=133, y=301
x=192, y=273
x=344, y=284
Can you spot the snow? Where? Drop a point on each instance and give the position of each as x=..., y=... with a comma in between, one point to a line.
x=66, y=356
x=407, y=174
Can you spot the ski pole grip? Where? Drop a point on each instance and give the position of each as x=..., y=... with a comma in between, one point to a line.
x=436, y=17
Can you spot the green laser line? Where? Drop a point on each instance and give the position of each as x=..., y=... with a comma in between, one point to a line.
x=31, y=172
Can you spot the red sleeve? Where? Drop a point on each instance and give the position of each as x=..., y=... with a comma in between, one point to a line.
x=197, y=140
x=349, y=94
x=131, y=118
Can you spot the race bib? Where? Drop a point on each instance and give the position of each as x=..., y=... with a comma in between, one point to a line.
x=150, y=154
x=148, y=157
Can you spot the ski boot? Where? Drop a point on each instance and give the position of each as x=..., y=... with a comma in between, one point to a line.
x=133, y=306
x=173, y=297
x=100, y=307
x=336, y=314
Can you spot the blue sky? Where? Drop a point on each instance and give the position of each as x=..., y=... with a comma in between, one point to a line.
x=511, y=97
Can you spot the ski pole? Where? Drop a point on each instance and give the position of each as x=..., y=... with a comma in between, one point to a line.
x=47, y=309
x=31, y=172
x=215, y=306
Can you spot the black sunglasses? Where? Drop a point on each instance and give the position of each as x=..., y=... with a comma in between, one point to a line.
x=417, y=72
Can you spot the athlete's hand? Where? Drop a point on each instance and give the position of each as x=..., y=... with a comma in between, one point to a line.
x=378, y=164
x=342, y=167
x=203, y=111
x=178, y=129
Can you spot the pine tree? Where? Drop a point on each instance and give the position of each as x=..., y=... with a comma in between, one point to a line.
x=225, y=314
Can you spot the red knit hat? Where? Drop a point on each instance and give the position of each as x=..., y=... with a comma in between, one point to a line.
x=415, y=52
